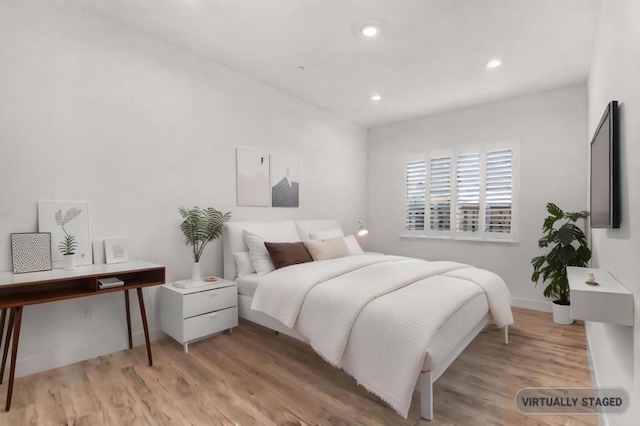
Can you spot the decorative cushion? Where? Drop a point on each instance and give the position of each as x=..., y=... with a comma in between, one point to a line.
x=258, y=253
x=352, y=245
x=243, y=263
x=327, y=235
x=328, y=249
x=306, y=227
x=287, y=254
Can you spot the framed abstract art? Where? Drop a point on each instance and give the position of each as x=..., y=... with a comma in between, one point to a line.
x=31, y=252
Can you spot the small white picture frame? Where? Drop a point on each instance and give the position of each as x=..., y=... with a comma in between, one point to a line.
x=98, y=252
x=116, y=250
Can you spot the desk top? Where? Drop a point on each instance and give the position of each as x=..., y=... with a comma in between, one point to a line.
x=11, y=279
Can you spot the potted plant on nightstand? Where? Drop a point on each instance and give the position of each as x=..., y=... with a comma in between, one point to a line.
x=200, y=226
x=567, y=246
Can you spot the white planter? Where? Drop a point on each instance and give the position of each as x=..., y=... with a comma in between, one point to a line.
x=562, y=314
x=195, y=272
x=68, y=262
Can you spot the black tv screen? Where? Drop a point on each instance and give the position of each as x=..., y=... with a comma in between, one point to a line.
x=605, y=186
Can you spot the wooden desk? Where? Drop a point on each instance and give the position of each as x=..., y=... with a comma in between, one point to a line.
x=20, y=290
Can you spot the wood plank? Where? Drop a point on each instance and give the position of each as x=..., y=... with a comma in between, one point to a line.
x=256, y=377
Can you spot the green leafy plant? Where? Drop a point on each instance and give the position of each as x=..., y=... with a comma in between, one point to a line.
x=567, y=247
x=69, y=244
x=201, y=226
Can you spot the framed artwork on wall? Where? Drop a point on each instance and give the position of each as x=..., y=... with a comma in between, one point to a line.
x=31, y=252
x=62, y=219
x=252, y=177
x=285, y=186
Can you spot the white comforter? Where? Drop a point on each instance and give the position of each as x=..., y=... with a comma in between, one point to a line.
x=374, y=316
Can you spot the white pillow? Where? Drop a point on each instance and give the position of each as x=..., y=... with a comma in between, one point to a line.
x=243, y=263
x=352, y=245
x=327, y=235
x=327, y=249
x=258, y=253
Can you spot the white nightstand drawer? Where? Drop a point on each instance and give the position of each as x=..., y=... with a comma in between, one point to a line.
x=210, y=323
x=189, y=314
x=208, y=301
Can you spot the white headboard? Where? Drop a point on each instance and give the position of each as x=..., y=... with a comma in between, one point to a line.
x=279, y=231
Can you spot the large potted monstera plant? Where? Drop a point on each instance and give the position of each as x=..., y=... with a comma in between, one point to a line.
x=200, y=226
x=566, y=245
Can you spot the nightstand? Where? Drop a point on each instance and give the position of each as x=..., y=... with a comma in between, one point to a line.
x=191, y=314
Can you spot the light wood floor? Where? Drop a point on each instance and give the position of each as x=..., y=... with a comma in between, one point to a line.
x=255, y=377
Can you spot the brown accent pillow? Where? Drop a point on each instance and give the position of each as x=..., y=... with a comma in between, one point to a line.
x=287, y=254
x=327, y=249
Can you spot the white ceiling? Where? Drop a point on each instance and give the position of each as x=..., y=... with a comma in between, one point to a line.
x=429, y=56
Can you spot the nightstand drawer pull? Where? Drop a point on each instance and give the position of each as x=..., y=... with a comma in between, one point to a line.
x=213, y=316
x=213, y=294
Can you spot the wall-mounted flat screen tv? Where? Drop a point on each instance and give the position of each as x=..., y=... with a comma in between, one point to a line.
x=605, y=171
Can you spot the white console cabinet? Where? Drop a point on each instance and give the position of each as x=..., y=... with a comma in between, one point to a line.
x=608, y=302
x=191, y=314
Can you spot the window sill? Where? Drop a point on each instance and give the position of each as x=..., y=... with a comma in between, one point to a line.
x=460, y=239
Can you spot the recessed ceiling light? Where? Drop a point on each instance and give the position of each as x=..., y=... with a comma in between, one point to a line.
x=494, y=63
x=370, y=31
x=376, y=97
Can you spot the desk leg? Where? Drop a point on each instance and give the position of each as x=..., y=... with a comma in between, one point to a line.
x=3, y=320
x=126, y=302
x=14, y=353
x=143, y=313
x=7, y=339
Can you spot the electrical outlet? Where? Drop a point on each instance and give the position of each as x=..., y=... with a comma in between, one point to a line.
x=87, y=313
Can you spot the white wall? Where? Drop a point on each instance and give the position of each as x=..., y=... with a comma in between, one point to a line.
x=551, y=129
x=615, y=67
x=92, y=111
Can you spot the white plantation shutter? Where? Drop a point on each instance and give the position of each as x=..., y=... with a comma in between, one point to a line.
x=499, y=190
x=468, y=192
x=415, y=193
x=440, y=193
x=465, y=193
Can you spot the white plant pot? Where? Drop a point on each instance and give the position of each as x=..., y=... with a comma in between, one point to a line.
x=562, y=314
x=195, y=272
x=68, y=262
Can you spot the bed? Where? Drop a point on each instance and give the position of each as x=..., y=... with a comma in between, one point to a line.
x=277, y=307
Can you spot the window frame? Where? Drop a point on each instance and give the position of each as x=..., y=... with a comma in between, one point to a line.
x=453, y=234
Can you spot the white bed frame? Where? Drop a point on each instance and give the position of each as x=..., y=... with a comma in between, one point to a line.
x=289, y=231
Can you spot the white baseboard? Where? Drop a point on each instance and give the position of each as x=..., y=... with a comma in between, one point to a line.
x=536, y=305
x=60, y=358
x=603, y=420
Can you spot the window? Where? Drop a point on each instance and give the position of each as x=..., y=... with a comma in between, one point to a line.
x=466, y=193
